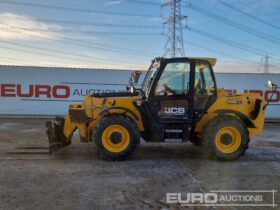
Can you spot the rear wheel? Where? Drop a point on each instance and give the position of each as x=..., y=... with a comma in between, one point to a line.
x=116, y=137
x=225, y=138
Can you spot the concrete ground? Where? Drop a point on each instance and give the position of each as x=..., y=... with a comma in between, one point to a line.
x=76, y=178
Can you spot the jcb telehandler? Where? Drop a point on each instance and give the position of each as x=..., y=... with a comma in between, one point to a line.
x=177, y=102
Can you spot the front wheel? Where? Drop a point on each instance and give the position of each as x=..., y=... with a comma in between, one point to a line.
x=225, y=138
x=116, y=137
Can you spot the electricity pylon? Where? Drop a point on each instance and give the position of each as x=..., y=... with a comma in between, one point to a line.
x=173, y=30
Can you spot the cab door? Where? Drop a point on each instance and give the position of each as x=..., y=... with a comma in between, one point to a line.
x=205, y=90
x=172, y=90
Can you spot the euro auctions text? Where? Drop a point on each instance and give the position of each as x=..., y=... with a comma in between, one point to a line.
x=46, y=91
x=264, y=198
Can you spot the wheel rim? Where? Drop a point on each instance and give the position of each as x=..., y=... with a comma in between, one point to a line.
x=115, y=138
x=228, y=140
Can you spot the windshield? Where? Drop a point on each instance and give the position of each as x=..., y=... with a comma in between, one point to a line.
x=149, y=77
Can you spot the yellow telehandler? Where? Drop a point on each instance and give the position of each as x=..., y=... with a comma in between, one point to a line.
x=177, y=102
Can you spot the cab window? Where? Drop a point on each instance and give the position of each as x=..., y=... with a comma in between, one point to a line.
x=174, y=80
x=204, y=85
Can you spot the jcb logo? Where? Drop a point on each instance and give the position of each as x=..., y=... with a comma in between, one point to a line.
x=174, y=110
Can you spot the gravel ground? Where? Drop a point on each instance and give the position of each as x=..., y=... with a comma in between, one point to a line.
x=75, y=178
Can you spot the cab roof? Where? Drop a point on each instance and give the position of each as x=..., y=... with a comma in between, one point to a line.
x=212, y=61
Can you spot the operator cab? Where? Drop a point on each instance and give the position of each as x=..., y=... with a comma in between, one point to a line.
x=177, y=92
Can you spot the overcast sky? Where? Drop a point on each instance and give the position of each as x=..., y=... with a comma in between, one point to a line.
x=118, y=38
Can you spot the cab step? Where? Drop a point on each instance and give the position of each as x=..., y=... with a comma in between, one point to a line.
x=173, y=131
x=173, y=135
x=173, y=140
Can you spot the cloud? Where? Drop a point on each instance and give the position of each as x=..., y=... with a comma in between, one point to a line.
x=14, y=26
x=114, y=2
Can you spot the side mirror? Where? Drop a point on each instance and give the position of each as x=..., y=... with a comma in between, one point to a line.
x=134, y=78
x=132, y=90
x=270, y=85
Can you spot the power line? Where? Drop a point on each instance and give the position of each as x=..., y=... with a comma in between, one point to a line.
x=68, y=22
x=71, y=54
x=226, y=41
x=15, y=61
x=8, y=58
x=81, y=43
x=235, y=44
x=138, y=2
x=248, y=14
x=219, y=52
x=111, y=33
x=91, y=45
x=60, y=52
x=234, y=24
x=36, y=53
x=72, y=9
x=12, y=59
x=260, y=11
x=49, y=50
x=79, y=10
x=106, y=47
x=62, y=57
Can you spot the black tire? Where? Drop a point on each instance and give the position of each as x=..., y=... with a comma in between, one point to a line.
x=120, y=120
x=211, y=130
